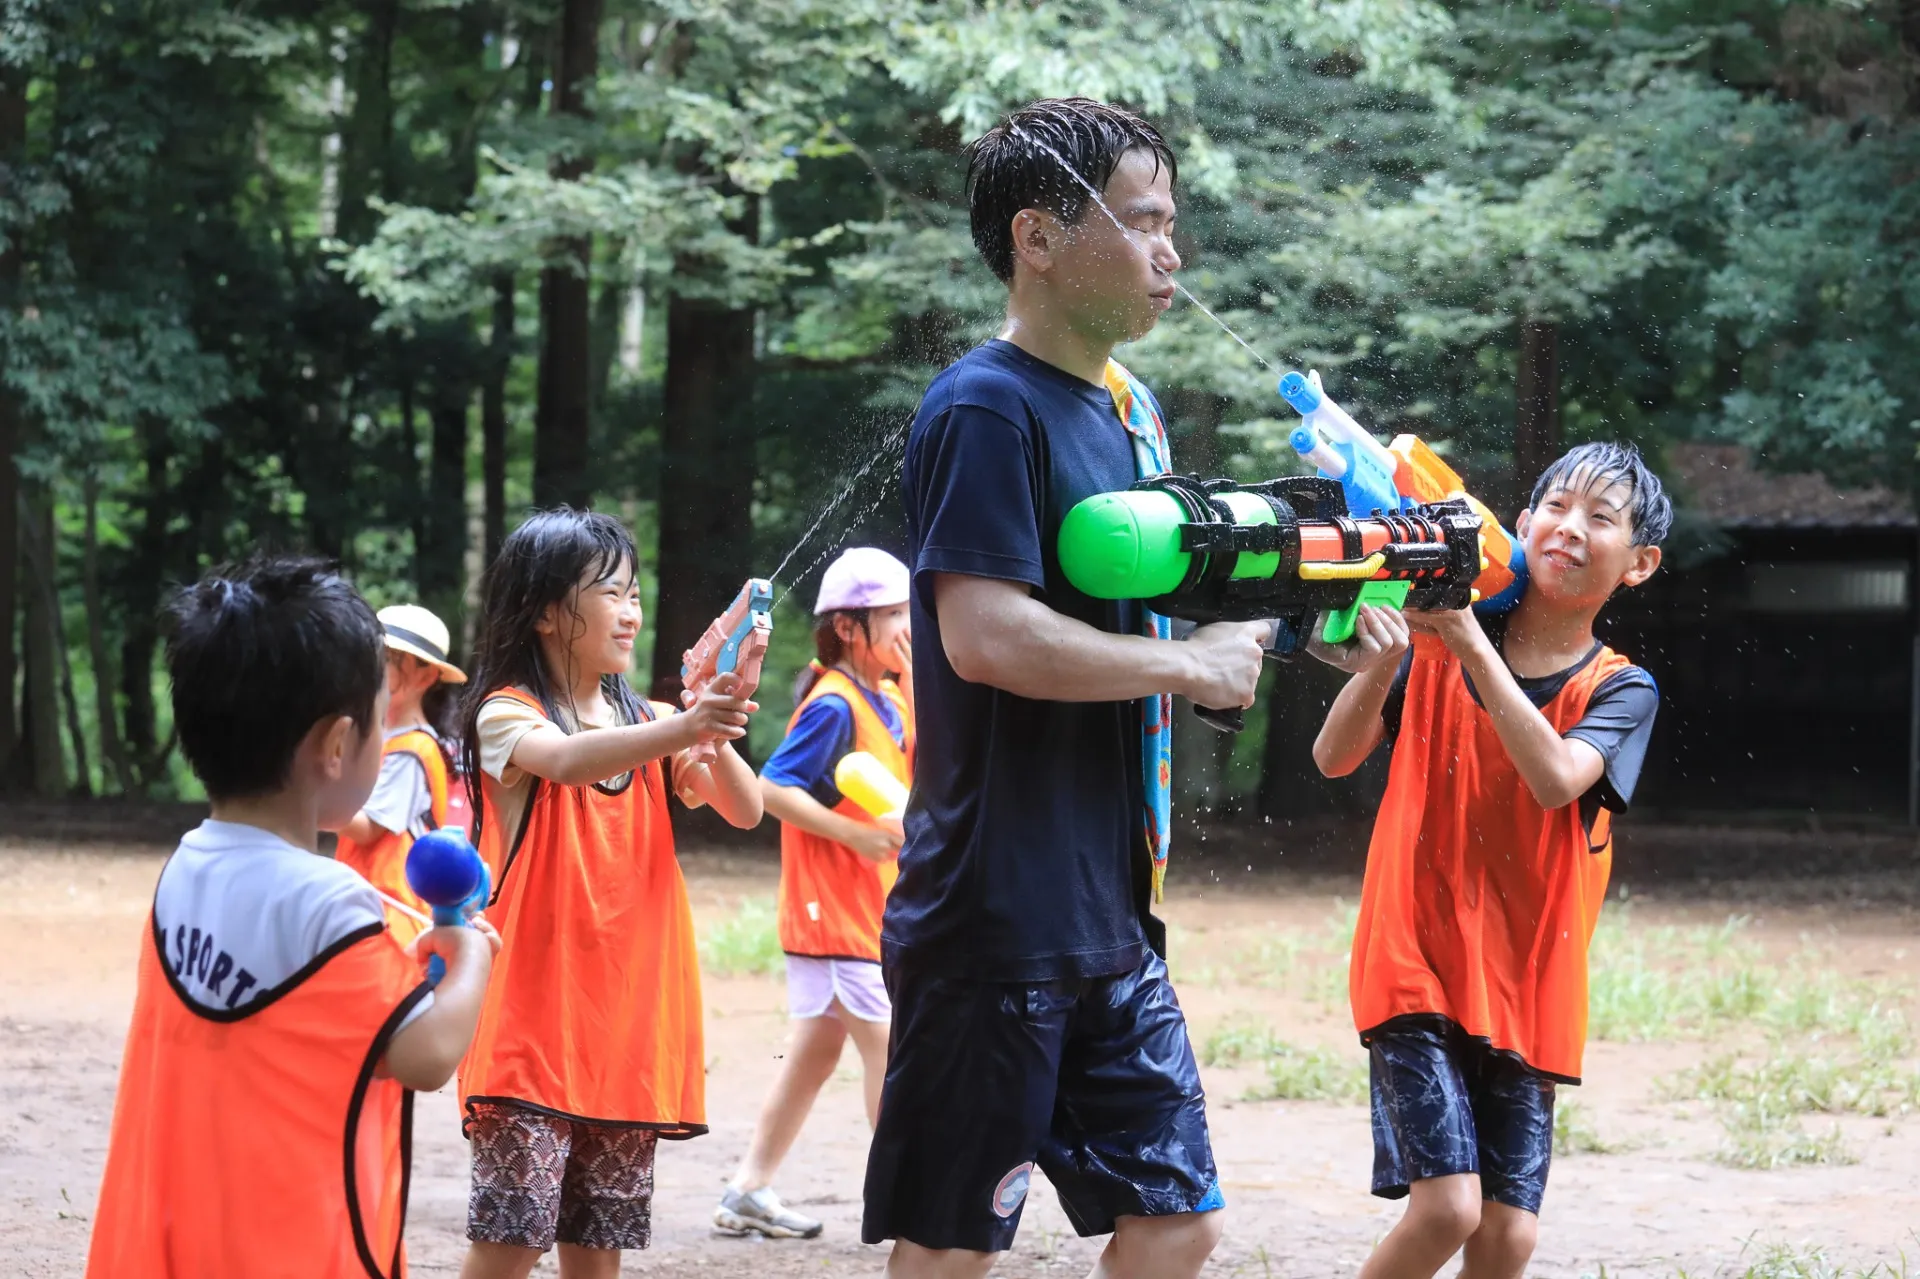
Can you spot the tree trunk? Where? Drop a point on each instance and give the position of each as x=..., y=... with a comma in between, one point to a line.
x=563, y=406
x=146, y=569
x=608, y=310
x=367, y=166
x=706, y=476
x=40, y=717
x=43, y=562
x=1536, y=427
x=493, y=417
x=105, y=711
x=444, y=551
x=13, y=134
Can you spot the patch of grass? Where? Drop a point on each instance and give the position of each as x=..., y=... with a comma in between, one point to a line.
x=1762, y=1136
x=1312, y=1074
x=1800, y=1261
x=1800, y=1083
x=1236, y=1042
x=746, y=944
x=1293, y=1073
x=1574, y=1134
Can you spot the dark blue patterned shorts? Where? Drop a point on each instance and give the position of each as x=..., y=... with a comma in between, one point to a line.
x=1446, y=1103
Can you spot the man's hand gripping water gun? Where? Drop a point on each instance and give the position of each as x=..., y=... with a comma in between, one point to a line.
x=735, y=644
x=1285, y=551
x=1396, y=478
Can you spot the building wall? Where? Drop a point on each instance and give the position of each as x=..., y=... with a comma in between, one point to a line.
x=1786, y=673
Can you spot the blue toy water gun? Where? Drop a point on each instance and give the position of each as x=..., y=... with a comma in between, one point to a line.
x=449, y=875
x=1388, y=480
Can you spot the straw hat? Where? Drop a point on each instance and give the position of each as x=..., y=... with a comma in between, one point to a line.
x=415, y=630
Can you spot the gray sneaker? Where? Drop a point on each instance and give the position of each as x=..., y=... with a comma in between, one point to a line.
x=741, y=1213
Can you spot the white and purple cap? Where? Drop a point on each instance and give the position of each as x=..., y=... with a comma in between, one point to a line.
x=863, y=577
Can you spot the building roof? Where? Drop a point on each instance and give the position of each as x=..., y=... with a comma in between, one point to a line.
x=1721, y=482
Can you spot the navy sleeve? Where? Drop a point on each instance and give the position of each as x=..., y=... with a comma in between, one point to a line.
x=1390, y=710
x=811, y=750
x=1618, y=724
x=978, y=493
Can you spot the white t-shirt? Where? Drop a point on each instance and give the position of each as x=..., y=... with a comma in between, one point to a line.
x=402, y=800
x=501, y=724
x=241, y=911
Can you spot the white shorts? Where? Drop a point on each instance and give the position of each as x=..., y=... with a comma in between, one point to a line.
x=813, y=984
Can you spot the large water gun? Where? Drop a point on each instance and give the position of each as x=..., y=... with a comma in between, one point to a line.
x=1396, y=478
x=449, y=875
x=1284, y=550
x=735, y=644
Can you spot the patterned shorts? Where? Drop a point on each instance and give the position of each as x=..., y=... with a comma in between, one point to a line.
x=539, y=1179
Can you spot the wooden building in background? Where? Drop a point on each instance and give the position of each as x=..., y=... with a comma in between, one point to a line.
x=1784, y=637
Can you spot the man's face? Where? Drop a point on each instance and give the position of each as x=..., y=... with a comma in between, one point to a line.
x=1116, y=283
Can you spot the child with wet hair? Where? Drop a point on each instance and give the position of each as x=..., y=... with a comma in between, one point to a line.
x=278, y=1024
x=837, y=864
x=1514, y=741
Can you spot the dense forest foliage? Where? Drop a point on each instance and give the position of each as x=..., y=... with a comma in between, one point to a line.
x=375, y=278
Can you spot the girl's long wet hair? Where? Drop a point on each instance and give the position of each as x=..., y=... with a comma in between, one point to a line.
x=539, y=565
x=829, y=648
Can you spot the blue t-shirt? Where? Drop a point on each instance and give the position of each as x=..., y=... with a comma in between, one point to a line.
x=1025, y=855
x=820, y=738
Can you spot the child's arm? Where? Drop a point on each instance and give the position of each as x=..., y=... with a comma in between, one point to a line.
x=726, y=784
x=580, y=759
x=793, y=805
x=362, y=829
x=1558, y=770
x=427, y=1050
x=1353, y=726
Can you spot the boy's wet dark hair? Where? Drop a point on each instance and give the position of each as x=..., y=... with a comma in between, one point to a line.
x=259, y=652
x=1649, y=511
x=1007, y=169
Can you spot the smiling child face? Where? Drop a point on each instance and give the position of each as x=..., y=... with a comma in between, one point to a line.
x=1579, y=540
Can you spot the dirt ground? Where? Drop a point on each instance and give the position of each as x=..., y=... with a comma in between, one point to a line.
x=1294, y=1173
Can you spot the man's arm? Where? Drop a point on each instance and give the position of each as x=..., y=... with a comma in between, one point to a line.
x=995, y=633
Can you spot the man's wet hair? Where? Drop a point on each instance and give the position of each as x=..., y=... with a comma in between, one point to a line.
x=1008, y=170
x=259, y=653
x=1649, y=510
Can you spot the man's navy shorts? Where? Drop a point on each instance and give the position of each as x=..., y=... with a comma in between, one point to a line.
x=1446, y=1103
x=1092, y=1079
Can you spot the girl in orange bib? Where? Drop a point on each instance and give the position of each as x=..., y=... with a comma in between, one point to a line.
x=837, y=863
x=262, y=1120
x=1512, y=745
x=589, y=1046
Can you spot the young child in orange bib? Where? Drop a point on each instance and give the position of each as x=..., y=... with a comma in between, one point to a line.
x=1513, y=746
x=837, y=863
x=589, y=1048
x=416, y=778
x=262, y=1119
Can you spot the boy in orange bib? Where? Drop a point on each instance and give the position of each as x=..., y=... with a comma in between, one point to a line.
x=261, y=1127
x=411, y=796
x=1512, y=748
x=837, y=864
x=589, y=1048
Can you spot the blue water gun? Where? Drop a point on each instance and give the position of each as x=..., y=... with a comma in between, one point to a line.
x=449, y=875
x=1382, y=480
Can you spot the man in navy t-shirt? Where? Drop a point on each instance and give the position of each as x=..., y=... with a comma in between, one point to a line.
x=1033, y=1019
